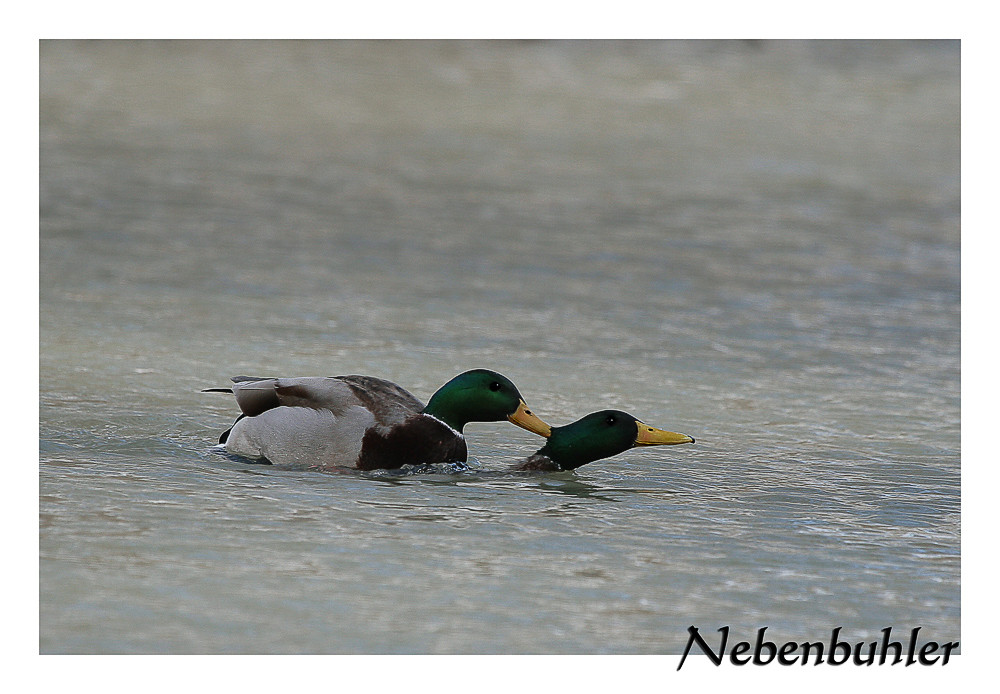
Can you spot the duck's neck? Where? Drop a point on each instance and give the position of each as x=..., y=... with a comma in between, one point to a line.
x=560, y=459
x=441, y=407
x=566, y=454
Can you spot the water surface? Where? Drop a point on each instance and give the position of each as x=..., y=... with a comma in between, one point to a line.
x=754, y=244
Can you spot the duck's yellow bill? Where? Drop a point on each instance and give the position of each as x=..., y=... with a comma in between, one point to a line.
x=651, y=436
x=526, y=419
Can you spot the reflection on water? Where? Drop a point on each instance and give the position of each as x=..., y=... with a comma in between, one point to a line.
x=565, y=482
x=755, y=244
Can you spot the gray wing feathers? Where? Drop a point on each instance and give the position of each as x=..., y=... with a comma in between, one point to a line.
x=255, y=396
x=389, y=403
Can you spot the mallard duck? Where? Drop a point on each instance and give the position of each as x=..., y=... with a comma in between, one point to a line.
x=598, y=435
x=367, y=422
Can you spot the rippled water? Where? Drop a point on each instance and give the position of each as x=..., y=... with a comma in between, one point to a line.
x=755, y=244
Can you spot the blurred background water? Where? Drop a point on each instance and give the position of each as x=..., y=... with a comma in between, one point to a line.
x=755, y=243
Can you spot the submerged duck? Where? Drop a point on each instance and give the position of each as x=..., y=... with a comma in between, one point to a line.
x=367, y=422
x=598, y=435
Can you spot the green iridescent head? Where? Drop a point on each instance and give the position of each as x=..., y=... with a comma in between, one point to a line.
x=482, y=395
x=602, y=435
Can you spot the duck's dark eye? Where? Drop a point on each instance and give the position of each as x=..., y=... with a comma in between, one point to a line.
x=610, y=421
x=494, y=386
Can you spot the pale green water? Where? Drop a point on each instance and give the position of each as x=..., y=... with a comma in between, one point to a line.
x=757, y=245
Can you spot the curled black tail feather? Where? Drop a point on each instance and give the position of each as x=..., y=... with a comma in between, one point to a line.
x=217, y=390
x=225, y=434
